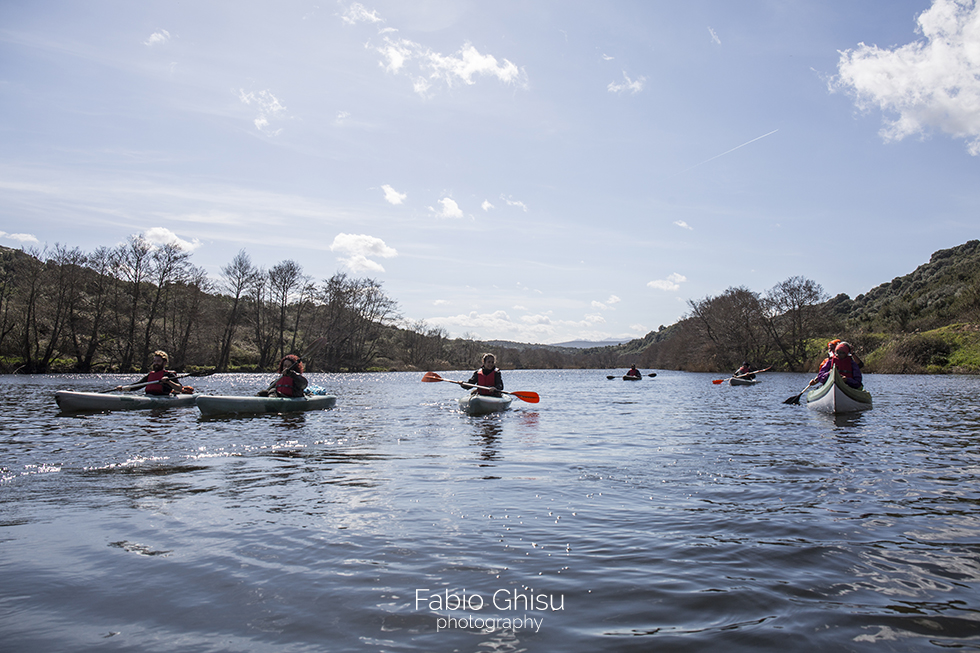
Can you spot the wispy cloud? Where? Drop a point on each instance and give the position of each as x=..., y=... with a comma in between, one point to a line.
x=157, y=38
x=714, y=36
x=357, y=250
x=631, y=85
x=21, y=238
x=269, y=106
x=930, y=83
x=392, y=196
x=516, y=203
x=671, y=283
x=486, y=206
x=163, y=236
x=683, y=225
x=448, y=209
x=357, y=13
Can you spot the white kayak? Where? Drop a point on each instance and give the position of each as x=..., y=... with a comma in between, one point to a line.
x=70, y=401
x=484, y=404
x=241, y=405
x=835, y=396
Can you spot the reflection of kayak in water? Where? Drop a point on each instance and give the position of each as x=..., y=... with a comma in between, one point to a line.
x=258, y=405
x=835, y=396
x=69, y=401
x=483, y=404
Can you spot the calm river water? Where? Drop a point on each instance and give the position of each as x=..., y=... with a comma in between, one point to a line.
x=669, y=514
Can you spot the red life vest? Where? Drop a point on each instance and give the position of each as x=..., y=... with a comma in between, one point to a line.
x=285, y=386
x=157, y=388
x=488, y=379
x=844, y=365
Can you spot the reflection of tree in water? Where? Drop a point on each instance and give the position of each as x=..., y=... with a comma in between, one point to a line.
x=291, y=421
x=488, y=435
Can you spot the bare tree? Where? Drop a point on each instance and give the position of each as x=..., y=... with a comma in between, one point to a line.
x=133, y=265
x=793, y=317
x=284, y=279
x=238, y=277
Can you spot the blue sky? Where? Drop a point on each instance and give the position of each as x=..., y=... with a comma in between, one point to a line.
x=531, y=171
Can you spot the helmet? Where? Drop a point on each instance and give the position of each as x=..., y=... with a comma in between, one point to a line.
x=833, y=343
x=843, y=349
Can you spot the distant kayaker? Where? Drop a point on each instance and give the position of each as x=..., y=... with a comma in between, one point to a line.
x=487, y=376
x=843, y=359
x=291, y=382
x=744, y=372
x=632, y=371
x=160, y=380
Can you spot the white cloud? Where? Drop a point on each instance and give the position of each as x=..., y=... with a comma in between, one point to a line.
x=714, y=36
x=511, y=202
x=671, y=283
x=356, y=248
x=158, y=38
x=598, y=305
x=536, y=319
x=21, y=238
x=683, y=225
x=606, y=57
x=634, y=86
x=163, y=236
x=426, y=67
x=392, y=196
x=269, y=108
x=613, y=299
x=933, y=82
x=450, y=209
x=442, y=302
x=356, y=13
x=595, y=319
x=486, y=206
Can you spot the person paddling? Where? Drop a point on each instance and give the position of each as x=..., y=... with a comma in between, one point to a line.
x=744, y=372
x=160, y=380
x=291, y=382
x=632, y=371
x=846, y=363
x=488, y=376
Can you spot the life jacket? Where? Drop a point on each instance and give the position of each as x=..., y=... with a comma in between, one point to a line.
x=157, y=388
x=285, y=386
x=844, y=365
x=487, y=379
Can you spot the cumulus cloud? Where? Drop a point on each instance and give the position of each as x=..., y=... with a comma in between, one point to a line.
x=671, y=283
x=356, y=250
x=392, y=196
x=683, y=225
x=163, y=236
x=448, y=209
x=357, y=13
x=427, y=68
x=486, y=206
x=613, y=299
x=932, y=83
x=269, y=106
x=633, y=86
x=158, y=38
x=714, y=36
x=21, y=238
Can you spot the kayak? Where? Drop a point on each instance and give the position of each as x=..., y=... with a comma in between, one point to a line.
x=241, y=405
x=835, y=396
x=70, y=401
x=629, y=377
x=484, y=404
x=737, y=381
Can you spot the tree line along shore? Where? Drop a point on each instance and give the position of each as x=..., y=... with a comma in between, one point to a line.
x=65, y=310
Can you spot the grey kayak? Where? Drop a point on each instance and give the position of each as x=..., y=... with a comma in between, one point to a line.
x=484, y=404
x=70, y=401
x=218, y=405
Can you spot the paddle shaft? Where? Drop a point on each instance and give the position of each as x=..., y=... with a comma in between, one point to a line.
x=137, y=386
x=530, y=397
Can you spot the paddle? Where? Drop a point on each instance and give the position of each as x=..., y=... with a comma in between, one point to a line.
x=795, y=399
x=137, y=386
x=611, y=377
x=312, y=349
x=529, y=397
x=739, y=376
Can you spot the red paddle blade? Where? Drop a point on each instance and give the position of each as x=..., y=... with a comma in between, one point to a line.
x=529, y=397
x=431, y=377
x=717, y=381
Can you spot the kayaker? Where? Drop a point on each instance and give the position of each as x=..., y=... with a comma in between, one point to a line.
x=488, y=376
x=744, y=372
x=633, y=371
x=161, y=381
x=291, y=382
x=843, y=359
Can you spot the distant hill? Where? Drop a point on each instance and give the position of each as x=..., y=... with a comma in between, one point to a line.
x=589, y=344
